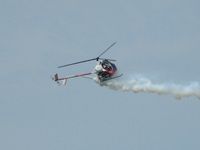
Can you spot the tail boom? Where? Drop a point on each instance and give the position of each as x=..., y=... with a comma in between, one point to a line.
x=64, y=79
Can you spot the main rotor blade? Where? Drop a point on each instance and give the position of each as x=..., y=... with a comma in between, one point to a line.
x=107, y=49
x=78, y=62
x=97, y=58
x=107, y=59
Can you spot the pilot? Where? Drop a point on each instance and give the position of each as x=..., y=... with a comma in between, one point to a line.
x=98, y=68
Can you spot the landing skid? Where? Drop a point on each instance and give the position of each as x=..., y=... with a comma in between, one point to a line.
x=111, y=78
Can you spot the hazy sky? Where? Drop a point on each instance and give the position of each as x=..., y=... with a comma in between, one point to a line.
x=159, y=39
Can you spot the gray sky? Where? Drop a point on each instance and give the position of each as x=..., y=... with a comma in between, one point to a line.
x=159, y=39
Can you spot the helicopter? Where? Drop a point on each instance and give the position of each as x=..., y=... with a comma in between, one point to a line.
x=104, y=70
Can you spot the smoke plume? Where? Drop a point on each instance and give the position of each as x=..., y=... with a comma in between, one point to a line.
x=142, y=84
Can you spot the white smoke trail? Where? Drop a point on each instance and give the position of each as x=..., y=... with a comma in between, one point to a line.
x=141, y=84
